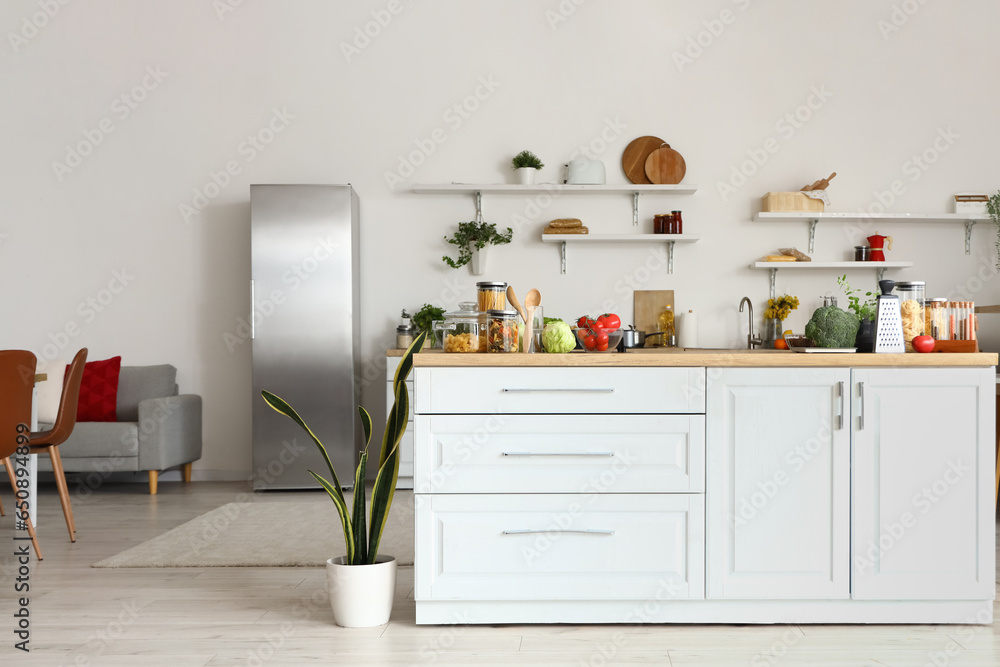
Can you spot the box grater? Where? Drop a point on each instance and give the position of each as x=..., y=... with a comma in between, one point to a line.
x=888, y=321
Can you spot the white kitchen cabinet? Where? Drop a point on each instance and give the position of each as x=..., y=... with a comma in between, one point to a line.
x=923, y=484
x=777, y=489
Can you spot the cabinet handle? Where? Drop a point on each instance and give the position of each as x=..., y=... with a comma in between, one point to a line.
x=594, y=390
x=558, y=453
x=840, y=395
x=583, y=531
x=861, y=416
x=253, y=306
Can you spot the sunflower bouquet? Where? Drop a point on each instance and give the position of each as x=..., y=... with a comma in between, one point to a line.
x=781, y=307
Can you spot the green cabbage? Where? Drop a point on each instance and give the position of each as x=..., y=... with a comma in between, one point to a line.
x=558, y=337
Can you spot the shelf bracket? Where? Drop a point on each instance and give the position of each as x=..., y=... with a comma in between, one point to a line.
x=635, y=209
x=774, y=275
x=479, y=206
x=670, y=256
x=969, y=224
x=562, y=253
x=812, y=235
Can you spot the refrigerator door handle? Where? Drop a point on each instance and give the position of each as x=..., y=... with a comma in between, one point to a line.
x=252, y=306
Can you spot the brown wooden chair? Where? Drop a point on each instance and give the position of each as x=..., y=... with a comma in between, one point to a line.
x=47, y=442
x=17, y=382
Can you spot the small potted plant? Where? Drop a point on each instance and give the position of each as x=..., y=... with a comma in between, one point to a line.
x=865, y=312
x=525, y=164
x=473, y=238
x=362, y=583
x=425, y=319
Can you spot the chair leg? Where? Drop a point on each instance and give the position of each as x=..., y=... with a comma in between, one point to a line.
x=60, y=475
x=187, y=473
x=154, y=478
x=31, y=529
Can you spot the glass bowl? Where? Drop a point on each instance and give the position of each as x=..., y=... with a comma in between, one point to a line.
x=798, y=340
x=614, y=337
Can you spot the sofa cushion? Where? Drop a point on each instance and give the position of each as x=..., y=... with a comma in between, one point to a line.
x=101, y=439
x=99, y=391
x=137, y=383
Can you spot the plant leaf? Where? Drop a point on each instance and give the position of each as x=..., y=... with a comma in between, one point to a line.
x=366, y=424
x=358, y=527
x=338, y=500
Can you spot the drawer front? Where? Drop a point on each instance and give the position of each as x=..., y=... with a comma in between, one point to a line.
x=389, y=398
x=560, y=547
x=559, y=453
x=560, y=390
x=405, y=452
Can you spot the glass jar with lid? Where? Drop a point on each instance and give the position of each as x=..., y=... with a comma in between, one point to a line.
x=501, y=331
x=911, y=309
x=460, y=329
x=491, y=296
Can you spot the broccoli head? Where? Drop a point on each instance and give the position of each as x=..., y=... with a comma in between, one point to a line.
x=832, y=327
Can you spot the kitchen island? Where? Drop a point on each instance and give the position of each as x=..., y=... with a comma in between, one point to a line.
x=701, y=486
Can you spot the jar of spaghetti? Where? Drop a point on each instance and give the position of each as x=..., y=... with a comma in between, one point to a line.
x=501, y=331
x=491, y=296
x=911, y=310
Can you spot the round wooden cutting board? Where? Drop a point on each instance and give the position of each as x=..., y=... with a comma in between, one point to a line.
x=634, y=157
x=665, y=166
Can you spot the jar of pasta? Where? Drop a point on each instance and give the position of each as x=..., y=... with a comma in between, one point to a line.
x=911, y=310
x=501, y=331
x=491, y=296
x=459, y=332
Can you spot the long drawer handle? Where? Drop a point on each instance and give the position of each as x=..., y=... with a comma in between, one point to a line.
x=840, y=416
x=584, y=531
x=861, y=396
x=558, y=453
x=583, y=390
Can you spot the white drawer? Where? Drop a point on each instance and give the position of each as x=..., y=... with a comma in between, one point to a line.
x=559, y=390
x=391, y=364
x=560, y=547
x=405, y=452
x=389, y=398
x=559, y=453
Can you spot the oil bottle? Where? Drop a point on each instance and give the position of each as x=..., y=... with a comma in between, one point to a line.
x=665, y=323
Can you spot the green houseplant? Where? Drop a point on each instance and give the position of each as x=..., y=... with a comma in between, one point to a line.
x=993, y=208
x=424, y=321
x=362, y=583
x=525, y=164
x=472, y=239
x=865, y=311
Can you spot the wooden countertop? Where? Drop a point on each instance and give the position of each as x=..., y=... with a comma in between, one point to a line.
x=704, y=357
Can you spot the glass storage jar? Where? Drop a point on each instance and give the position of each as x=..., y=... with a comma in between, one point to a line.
x=491, y=296
x=459, y=331
x=501, y=331
x=911, y=310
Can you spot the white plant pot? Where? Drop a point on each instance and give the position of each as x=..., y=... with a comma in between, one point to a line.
x=525, y=175
x=361, y=595
x=478, y=262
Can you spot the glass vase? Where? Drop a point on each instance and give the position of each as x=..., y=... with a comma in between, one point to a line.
x=771, y=332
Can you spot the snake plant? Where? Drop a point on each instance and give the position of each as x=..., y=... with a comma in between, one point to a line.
x=362, y=548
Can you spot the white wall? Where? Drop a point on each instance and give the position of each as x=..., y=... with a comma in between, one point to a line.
x=557, y=86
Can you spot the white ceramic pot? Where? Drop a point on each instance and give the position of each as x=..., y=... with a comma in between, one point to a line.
x=361, y=595
x=525, y=175
x=478, y=262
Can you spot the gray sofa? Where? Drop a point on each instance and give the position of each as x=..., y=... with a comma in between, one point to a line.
x=157, y=429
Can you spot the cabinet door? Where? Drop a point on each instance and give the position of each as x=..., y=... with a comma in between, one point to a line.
x=922, y=517
x=777, y=483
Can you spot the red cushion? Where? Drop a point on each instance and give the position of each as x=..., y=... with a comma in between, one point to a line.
x=99, y=391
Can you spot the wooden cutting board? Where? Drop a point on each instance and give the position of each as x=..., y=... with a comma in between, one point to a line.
x=665, y=166
x=646, y=308
x=634, y=157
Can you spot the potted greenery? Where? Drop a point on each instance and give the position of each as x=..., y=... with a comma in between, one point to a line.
x=362, y=583
x=473, y=238
x=993, y=208
x=525, y=164
x=865, y=311
x=424, y=321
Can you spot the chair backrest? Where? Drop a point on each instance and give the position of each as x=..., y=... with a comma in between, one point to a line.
x=69, y=401
x=17, y=381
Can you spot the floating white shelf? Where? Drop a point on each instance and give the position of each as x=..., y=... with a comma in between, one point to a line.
x=669, y=239
x=879, y=267
x=538, y=188
x=814, y=219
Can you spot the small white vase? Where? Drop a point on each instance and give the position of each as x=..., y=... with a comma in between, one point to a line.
x=525, y=175
x=478, y=262
x=361, y=595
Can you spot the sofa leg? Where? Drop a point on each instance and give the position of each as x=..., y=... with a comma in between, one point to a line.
x=187, y=473
x=154, y=477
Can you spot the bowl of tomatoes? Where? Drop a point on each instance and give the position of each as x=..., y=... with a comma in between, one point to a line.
x=602, y=334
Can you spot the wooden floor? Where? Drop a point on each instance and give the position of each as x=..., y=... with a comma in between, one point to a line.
x=280, y=616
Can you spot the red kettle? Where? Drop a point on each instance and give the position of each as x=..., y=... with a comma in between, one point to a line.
x=876, y=241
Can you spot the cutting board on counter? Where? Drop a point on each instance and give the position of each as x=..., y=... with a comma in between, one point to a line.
x=646, y=308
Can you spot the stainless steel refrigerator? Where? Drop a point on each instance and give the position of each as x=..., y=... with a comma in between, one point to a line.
x=305, y=330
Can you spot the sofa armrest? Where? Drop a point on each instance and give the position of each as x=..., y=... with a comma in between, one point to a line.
x=169, y=431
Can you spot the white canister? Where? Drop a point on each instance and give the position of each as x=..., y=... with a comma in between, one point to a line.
x=688, y=329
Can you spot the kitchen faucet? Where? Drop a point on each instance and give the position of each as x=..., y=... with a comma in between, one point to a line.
x=751, y=341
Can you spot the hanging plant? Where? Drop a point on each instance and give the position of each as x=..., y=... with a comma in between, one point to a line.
x=993, y=208
x=475, y=236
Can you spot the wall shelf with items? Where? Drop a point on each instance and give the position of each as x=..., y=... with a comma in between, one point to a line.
x=879, y=267
x=553, y=189
x=669, y=239
x=815, y=218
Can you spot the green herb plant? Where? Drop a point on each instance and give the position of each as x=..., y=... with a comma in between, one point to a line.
x=425, y=318
x=363, y=534
x=526, y=159
x=865, y=310
x=477, y=234
x=993, y=208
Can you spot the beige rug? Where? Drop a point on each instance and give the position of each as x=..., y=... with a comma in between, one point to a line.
x=266, y=533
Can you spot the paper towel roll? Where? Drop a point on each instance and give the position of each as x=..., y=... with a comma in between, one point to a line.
x=688, y=329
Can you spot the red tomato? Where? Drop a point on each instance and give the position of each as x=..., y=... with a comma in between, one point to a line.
x=589, y=342
x=602, y=337
x=602, y=346
x=600, y=322
x=612, y=321
x=583, y=322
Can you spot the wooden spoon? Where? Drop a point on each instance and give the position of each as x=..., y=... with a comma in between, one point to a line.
x=512, y=300
x=532, y=300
